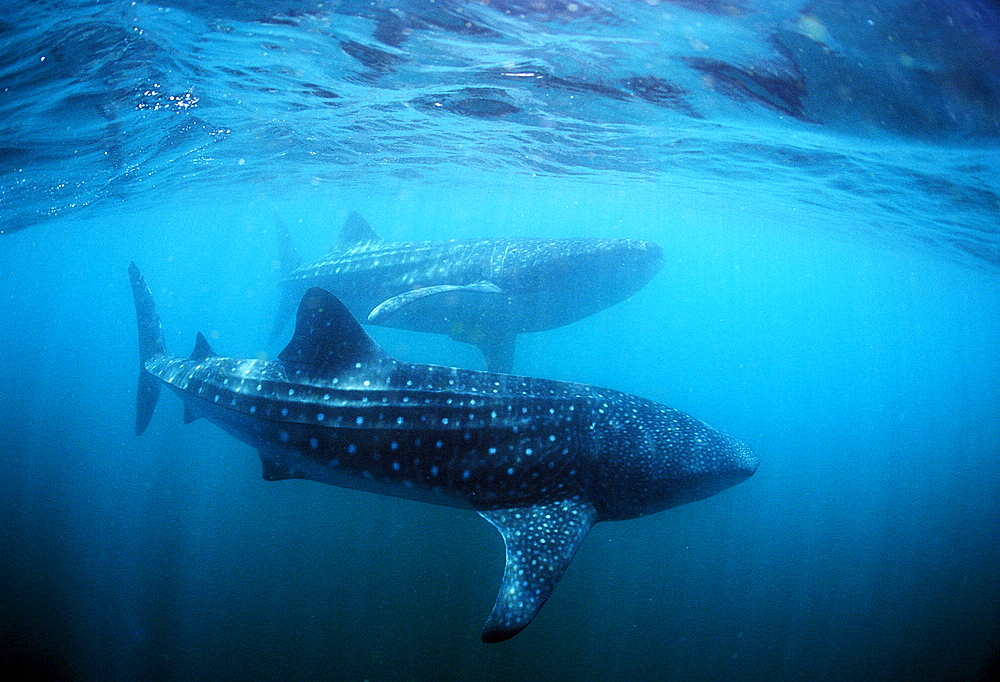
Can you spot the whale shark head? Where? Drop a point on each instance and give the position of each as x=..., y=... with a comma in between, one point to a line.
x=569, y=279
x=653, y=457
x=719, y=462
x=539, y=263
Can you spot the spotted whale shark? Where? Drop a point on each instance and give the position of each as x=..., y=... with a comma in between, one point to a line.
x=480, y=291
x=541, y=460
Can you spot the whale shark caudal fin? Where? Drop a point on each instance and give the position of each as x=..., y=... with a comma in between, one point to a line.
x=286, y=306
x=288, y=260
x=288, y=254
x=355, y=232
x=469, y=313
x=151, y=344
x=540, y=541
x=327, y=338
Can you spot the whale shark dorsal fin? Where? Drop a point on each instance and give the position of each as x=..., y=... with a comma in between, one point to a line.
x=541, y=541
x=202, y=350
x=356, y=232
x=327, y=339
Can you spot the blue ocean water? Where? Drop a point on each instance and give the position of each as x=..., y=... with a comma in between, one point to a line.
x=823, y=179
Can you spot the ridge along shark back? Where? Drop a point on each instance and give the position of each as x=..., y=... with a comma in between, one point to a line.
x=540, y=460
x=479, y=291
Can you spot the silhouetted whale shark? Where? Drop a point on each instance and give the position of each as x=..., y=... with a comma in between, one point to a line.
x=480, y=291
x=540, y=460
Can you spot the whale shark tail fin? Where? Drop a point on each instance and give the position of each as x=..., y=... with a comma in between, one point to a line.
x=540, y=541
x=288, y=260
x=288, y=253
x=286, y=306
x=151, y=345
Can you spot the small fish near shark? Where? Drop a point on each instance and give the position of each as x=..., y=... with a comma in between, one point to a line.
x=541, y=460
x=479, y=291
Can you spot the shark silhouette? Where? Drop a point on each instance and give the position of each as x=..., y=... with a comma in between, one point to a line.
x=541, y=460
x=483, y=291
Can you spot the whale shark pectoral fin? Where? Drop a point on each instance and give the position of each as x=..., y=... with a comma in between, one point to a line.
x=541, y=541
x=189, y=414
x=438, y=305
x=473, y=313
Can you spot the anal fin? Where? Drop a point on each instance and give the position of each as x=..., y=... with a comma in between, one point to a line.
x=541, y=541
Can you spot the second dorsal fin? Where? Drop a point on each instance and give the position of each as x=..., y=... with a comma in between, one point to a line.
x=201, y=349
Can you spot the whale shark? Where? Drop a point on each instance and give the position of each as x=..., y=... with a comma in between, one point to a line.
x=479, y=291
x=541, y=460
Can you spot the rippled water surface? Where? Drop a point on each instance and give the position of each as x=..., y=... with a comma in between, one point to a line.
x=823, y=179
x=887, y=108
